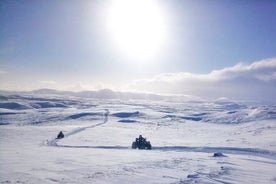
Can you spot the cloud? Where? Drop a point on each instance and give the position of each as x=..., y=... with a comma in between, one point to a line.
x=264, y=70
x=84, y=86
x=253, y=82
x=2, y=72
x=48, y=82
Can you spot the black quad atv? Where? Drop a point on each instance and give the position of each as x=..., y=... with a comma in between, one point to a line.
x=141, y=143
x=60, y=135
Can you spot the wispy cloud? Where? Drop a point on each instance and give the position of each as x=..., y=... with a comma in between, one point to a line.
x=48, y=82
x=254, y=82
x=84, y=86
x=3, y=72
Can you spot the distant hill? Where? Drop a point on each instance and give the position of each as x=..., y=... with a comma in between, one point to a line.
x=104, y=94
x=101, y=94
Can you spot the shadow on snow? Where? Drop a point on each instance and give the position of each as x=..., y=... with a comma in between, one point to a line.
x=225, y=150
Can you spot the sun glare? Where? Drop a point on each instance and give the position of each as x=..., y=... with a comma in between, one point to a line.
x=137, y=27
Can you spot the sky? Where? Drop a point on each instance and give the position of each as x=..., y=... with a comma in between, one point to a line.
x=217, y=48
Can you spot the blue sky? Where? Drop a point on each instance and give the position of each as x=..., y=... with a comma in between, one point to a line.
x=68, y=44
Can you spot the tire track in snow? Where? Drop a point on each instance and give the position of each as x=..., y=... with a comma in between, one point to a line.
x=54, y=141
x=227, y=150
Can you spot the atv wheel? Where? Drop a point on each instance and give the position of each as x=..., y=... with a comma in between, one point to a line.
x=134, y=145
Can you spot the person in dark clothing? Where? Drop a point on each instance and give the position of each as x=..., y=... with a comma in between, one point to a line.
x=141, y=138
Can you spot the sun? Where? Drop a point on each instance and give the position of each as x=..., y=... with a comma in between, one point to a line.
x=137, y=27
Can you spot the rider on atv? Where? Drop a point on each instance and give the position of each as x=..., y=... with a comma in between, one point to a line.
x=141, y=139
x=141, y=143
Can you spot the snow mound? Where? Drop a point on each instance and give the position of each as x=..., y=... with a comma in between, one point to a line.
x=228, y=104
x=127, y=114
x=127, y=121
x=39, y=105
x=218, y=154
x=13, y=106
x=191, y=118
x=3, y=123
x=7, y=113
x=84, y=114
x=193, y=176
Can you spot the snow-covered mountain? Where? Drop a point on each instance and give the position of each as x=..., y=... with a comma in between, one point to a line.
x=100, y=94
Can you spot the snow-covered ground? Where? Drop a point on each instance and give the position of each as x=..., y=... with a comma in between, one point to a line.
x=184, y=133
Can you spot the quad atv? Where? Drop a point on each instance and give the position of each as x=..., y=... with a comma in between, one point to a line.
x=60, y=135
x=141, y=143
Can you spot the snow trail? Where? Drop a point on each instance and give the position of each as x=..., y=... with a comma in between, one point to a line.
x=227, y=150
x=54, y=141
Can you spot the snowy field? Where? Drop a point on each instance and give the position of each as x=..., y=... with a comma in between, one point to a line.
x=185, y=133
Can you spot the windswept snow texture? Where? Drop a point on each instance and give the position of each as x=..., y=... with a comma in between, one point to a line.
x=13, y=105
x=194, y=141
